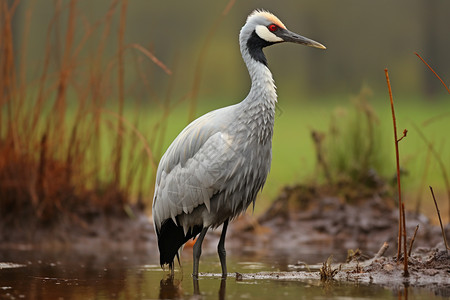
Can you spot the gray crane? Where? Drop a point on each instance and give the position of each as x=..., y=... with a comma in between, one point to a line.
x=215, y=167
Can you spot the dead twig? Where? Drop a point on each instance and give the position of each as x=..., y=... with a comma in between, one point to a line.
x=397, y=157
x=382, y=250
x=435, y=74
x=405, y=253
x=405, y=132
x=121, y=90
x=412, y=240
x=440, y=221
x=152, y=57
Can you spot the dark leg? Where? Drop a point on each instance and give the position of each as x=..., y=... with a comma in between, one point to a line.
x=197, y=251
x=221, y=250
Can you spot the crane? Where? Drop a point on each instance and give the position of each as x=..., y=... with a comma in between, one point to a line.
x=215, y=167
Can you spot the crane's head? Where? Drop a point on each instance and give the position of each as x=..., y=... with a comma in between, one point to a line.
x=263, y=29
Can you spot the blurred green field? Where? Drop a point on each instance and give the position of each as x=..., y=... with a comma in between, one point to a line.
x=294, y=157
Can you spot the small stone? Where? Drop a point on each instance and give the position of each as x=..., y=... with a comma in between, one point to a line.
x=388, y=267
x=238, y=276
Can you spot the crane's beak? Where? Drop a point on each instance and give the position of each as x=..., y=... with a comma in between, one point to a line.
x=292, y=37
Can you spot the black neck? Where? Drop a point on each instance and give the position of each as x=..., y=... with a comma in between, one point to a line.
x=255, y=44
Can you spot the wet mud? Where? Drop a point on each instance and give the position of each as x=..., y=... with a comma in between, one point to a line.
x=305, y=216
x=427, y=268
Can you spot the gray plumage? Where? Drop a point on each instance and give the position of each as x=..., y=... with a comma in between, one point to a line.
x=215, y=167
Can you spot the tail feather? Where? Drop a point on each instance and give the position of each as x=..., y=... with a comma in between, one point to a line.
x=171, y=238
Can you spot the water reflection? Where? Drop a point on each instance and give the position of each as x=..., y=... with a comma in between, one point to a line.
x=170, y=288
x=196, y=286
x=403, y=295
x=138, y=276
x=222, y=287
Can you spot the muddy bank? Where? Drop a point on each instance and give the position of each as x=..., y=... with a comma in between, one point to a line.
x=332, y=221
x=427, y=268
x=302, y=220
x=114, y=232
x=305, y=223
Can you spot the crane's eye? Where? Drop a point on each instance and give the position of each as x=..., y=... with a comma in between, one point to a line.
x=272, y=27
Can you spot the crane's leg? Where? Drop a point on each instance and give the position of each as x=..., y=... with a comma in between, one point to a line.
x=221, y=250
x=197, y=251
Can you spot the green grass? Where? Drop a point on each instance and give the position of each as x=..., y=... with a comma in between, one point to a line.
x=294, y=157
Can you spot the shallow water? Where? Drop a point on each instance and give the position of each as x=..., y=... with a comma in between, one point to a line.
x=105, y=275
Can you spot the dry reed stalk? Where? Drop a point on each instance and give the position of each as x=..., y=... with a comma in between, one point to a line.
x=22, y=75
x=42, y=192
x=158, y=132
x=40, y=188
x=435, y=74
x=146, y=81
x=74, y=148
x=405, y=253
x=447, y=182
x=152, y=57
x=97, y=77
x=142, y=177
x=7, y=72
x=70, y=154
x=440, y=220
x=400, y=294
x=397, y=158
x=42, y=93
x=60, y=106
x=58, y=174
x=121, y=89
x=411, y=243
x=382, y=250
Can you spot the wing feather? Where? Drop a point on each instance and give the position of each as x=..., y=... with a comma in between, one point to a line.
x=193, y=169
